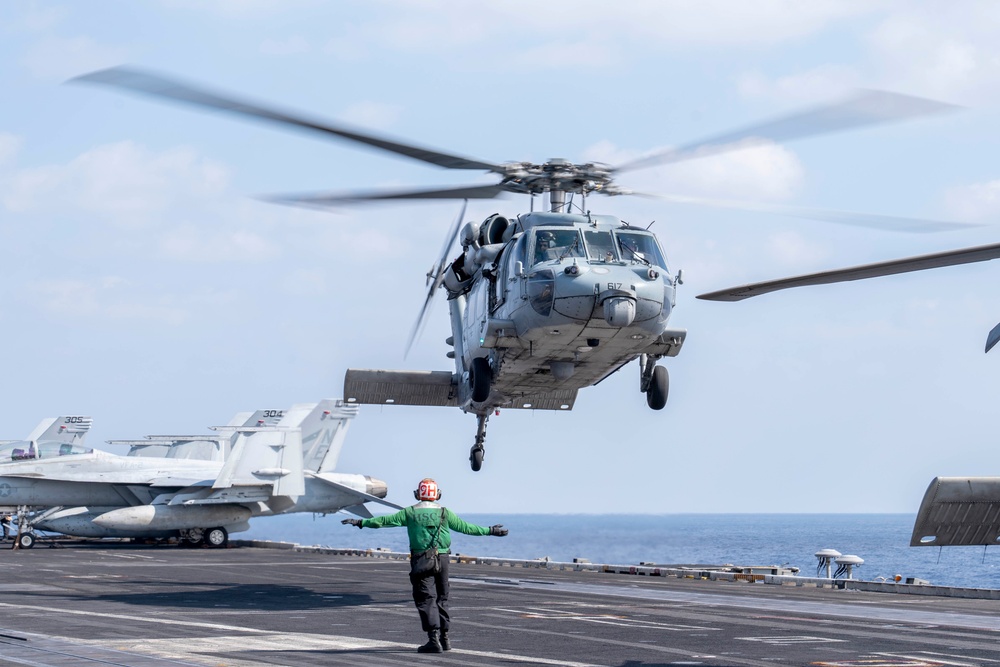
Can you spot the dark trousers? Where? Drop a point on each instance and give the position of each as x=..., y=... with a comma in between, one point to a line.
x=430, y=594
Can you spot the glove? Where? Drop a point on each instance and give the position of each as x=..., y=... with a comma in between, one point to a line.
x=498, y=531
x=353, y=522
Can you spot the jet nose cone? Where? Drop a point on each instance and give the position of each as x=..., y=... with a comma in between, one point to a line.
x=376, y=487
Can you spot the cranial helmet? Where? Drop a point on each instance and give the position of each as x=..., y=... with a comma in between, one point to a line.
x=546, y=237
x=427, y=490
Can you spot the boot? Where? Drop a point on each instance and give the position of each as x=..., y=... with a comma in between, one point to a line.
x=445, y=642
x=433, y=644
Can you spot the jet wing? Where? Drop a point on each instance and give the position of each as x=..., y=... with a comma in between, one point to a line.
x=359, y=510
x=378, y=387
x=958, y=511
x=360, y=495
x=159, y=478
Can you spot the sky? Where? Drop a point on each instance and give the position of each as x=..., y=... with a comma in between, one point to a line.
x=146, y=284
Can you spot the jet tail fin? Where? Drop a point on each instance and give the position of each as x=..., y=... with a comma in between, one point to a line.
x=268, y=456
x=70, y=430
x=323, y=433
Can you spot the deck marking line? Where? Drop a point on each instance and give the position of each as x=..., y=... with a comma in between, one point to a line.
x=305, y=642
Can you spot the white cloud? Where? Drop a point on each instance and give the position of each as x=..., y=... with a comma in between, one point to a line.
x=751, y=171
x=57, y=58
x=526, y=32
x=306, y=282
x=248, y=9
x=569, y=54
x=36, y=17
x=193, y=244
x=791, y=249
x=925, y=49
x=99, y=299
x=123, y=181
x=371, y=114
x=285, y=47
x=819, y=84
x=978, y=202
x=9, y=147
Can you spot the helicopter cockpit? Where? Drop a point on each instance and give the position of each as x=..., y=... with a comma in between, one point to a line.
x=640, y=247
x=598, y=245
x=556, y=244
x=27, y=451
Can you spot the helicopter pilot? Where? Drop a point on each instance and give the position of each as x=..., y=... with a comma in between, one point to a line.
x=544, y=249
x=556, y=245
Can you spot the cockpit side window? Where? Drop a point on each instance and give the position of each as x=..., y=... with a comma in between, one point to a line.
x=555, y=244
x=640, y=247
x=600, y=246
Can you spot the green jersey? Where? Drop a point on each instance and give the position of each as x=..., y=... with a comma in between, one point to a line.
x=421, y=521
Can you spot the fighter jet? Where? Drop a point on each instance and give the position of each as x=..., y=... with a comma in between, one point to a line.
x=271, y=469
x=55, y=433
x=203, y=447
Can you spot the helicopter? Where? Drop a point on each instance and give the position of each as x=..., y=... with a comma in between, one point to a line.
x=544, y=303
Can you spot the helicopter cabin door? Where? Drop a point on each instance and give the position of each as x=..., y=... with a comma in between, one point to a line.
x=506, y=279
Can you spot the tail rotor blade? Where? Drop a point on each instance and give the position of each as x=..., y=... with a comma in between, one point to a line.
x=437, y=277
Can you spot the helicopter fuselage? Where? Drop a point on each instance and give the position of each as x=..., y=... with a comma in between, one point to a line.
x=555, y=302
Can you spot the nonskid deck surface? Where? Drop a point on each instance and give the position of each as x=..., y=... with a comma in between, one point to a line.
x=119, y=604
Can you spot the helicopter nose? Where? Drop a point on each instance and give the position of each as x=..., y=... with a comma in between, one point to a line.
x=619, y=307
x=376, y=487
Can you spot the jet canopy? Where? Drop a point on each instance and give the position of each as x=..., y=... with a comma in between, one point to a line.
x=29, y=450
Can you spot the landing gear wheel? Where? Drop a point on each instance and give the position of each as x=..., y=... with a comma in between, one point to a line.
x=216, y=538
x=480, y=379
x=25, y=540
x=659, y=387
x=476, y=458
x=193, y=538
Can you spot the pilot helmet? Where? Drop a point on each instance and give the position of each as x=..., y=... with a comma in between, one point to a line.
x=427, y=490
x=546, y=237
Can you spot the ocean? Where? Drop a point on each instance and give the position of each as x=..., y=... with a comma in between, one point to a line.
x=882, y=540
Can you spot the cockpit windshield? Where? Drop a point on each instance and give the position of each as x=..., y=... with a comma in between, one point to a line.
x=600, y=246
x=640, y=247
x=27, y=450
x=554, y=244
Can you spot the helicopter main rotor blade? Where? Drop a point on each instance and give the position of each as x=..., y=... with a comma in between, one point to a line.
x=438, y=278
x=865, y=271
x=869, y=107
x=325, y=200
x=993, y=338
x=156, y=85
x=873, y=220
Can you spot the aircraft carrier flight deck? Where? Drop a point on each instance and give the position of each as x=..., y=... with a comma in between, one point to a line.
x=106, y=603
